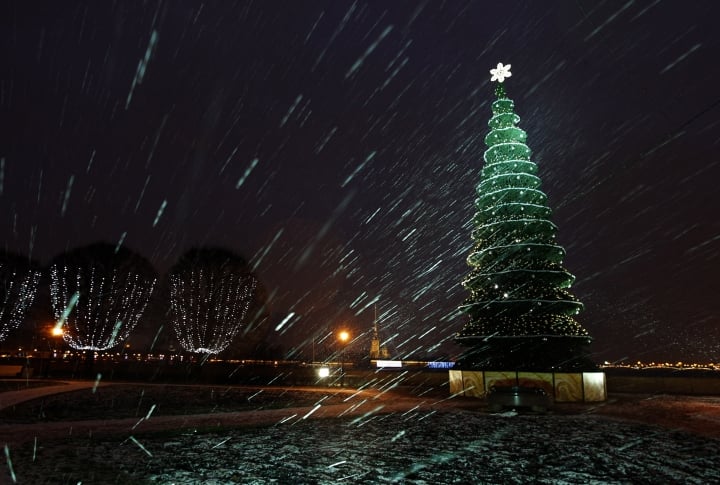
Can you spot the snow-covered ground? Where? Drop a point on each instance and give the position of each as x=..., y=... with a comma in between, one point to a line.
x=422, y=445
x=455, y=447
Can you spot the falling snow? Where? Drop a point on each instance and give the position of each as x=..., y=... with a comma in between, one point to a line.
x=336, y=147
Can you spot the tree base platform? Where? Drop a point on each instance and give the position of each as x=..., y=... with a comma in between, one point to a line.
x=562, y=386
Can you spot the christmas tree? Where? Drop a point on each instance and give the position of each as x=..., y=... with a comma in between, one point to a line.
x=521, y=314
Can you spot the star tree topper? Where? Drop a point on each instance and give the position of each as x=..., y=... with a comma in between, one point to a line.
x=500, y=73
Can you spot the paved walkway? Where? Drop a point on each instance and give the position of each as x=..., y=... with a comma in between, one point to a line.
x=11, y=398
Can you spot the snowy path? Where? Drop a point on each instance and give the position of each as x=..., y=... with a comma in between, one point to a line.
x=358, y=403
x=12, y=398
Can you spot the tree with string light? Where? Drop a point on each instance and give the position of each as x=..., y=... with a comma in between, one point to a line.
x=521, y=314
x=18, y=285
x=211, y=290
x=98, y=294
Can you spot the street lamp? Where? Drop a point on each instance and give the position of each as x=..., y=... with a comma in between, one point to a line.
x=57, y=333
x=46, y=359
x=343, y=336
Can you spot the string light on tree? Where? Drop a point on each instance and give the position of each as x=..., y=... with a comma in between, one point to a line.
x=98, y=296
x=18, y=285
x=210, y=293
x=518, y=288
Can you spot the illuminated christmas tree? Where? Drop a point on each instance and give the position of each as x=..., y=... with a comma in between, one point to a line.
x=210, y=293
x=99, y=293
x=18, y=284
x=521, y=314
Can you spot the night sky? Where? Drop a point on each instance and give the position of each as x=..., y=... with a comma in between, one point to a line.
x=336, y=145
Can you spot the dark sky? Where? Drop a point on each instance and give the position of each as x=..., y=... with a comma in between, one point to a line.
x=337, y=145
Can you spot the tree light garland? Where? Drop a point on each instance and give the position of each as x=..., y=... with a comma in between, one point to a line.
x=16, y=296
x=208, y=306
x=97, y=307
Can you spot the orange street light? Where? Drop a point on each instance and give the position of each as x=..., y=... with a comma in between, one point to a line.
x=57, y=331
x=344, y=336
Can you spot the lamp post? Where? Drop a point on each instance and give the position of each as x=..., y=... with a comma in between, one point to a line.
x=343, y=336
x=56, y=333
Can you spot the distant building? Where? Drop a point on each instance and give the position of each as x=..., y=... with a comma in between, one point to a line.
x=377, y=351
